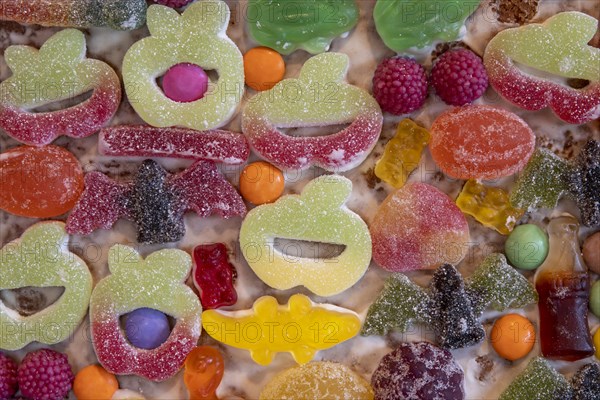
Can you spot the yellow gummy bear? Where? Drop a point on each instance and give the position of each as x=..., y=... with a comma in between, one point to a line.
x=300, y=328
x=402, y=153
x=489, y=206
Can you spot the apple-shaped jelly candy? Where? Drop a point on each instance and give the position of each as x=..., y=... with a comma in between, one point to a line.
x=318, y=97
x=158, y=283
x=318, y=215
x=40, y=258
x=58, y=71
x=197, y=37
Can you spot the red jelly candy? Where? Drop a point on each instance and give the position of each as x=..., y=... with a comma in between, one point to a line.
x=480, y=142
x=213, y=276
x=39, y=182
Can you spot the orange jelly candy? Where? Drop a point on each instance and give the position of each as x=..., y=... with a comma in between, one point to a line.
x=263, y=68
x=204, y=369
x=94, y=383
x=512, y=336
x=261, y=183
x=39, y=182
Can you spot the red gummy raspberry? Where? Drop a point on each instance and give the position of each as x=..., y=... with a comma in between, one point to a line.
x=8, y=377
x=400, y=85
x=45, y=375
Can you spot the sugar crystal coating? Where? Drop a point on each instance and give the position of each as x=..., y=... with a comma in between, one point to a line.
x=585, y=183
x=586, y=382
x=539, y=381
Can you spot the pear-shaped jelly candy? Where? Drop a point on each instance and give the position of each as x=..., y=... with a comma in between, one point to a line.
x=539, y=381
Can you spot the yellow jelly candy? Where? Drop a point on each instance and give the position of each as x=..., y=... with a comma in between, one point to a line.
x=300, y=328
x=597, y=342
x=402, y=153
x=197, y=37
x=318, y=215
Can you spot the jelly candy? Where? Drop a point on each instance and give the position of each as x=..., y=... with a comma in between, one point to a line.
x=39, y=182
x=203, y=25
x=146, y=328
x=310, y=25
x=488, y=205
x=558, y=47
x=407, y=235
x=58, y=71
x=318, y=97
x=591, y=252
x=405, y=26
x=480, y=142
x=94, y=383
x=512, y=336
x=321, y=380
x=526, y=246
x=155, y=201
x=263, y=68
x=147, y=141
x=261, y=183
x=539, y=381
x=40, y=258
x=115, y=14
x=318, y=215
x=158, y=283
x=300, y=328
x=418, y=371
x=402, y=153
x=585, y=183
x=204, y=369
x=586, y=382
x=214, y=275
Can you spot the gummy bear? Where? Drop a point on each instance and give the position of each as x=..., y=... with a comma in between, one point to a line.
x=300, y=328
x=204, y=367
x=585, y=183
x=539, y=381
x=214, y=275
x=586, y=382
x=402, y=153
x=155, y=201
x=489, y=206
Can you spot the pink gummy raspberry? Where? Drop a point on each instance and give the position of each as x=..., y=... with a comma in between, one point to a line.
x=8, y=377
x=173, y=3
x=459, y=77
x=400, y=85
x=45, y=375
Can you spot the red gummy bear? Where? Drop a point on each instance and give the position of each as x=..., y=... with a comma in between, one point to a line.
x=214, y=275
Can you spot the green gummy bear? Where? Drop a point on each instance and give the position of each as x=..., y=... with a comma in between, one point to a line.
x=310, y=25
x=40, y=258
x=539, y=381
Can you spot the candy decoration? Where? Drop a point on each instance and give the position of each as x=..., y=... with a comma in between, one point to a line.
x=310, y=25
x=480, y=142
x=204, y=368
x=39, y=182
x=300, y=328
x=319, y=215
x=526, y=246
x=62, y=71
x=94, y=382
x=558, y=47
x=185, y=83
x=539, y=381
x=203, y=25
x=585, y=183
x=40, y=258
x=400, y=85
x=214, y=275
x=402, y=153
x=45, y=374
x=261, y=183
x=146, y=328
x=595, y=299
x=155, y=201
x=586, y=382
x=158, y=283
x=512, y=336
x=488, y=205
x=147, y=141
x=263, y=68
x=115, y=14
x=292, y=103
x=407, y=235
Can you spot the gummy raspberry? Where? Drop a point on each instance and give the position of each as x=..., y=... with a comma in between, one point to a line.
x=8, y=377
x=45, y=375
x=400, y=85
x=459, y=77
x=173, y=3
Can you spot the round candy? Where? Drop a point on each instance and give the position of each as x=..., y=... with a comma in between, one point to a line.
x=261, y=183
x=263, y=68
x=147, y=328
x=512, y=336
x=94, y=382
x=591, y=252
x=185, y=83
x=595, y=299
x=527, y=246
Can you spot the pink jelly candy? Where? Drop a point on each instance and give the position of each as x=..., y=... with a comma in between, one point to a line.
x=147, y=141
x=214, y=275
x=480, y=142
x=418, y=227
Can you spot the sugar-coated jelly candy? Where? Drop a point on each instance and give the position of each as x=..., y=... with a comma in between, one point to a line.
x=526, y=246
x=407, y=235
x=480, y=142
x=94, y=383
x=402, y=153
x=204, y=367
x=300, y=328
x=512, y=336
x=146, y=328
x=418, y=371
x=147, y=141
x=319, y=380
x=39, y=182
x=539, y=381
x=214, y=275
x=203, y=25
x=40, y=258
x=488, y=205
x=558, y=47
x=318, y=97
x=263, y=68
x=261, y=183
x=591, y=252
x=586, y=382
x=155, y=201
x=185, y=83
x=310, y=25
x=157, y=282
x=585, y=183
x=318, y=215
